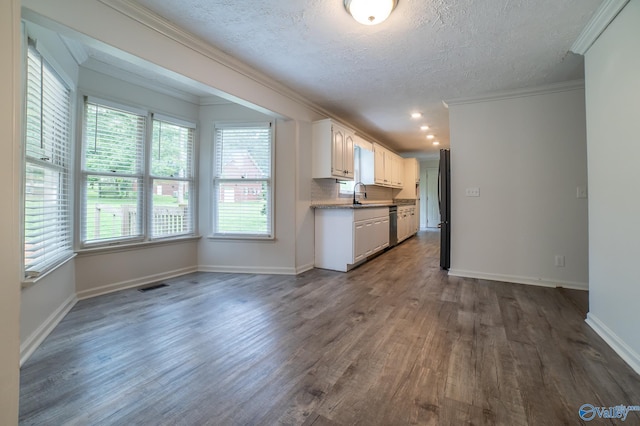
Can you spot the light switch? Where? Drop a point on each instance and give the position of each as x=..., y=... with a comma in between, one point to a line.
x=472, y=192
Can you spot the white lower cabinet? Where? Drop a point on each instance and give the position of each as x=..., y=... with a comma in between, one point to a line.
x=346, y=236
x=407, y=222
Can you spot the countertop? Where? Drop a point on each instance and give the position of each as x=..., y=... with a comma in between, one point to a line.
x=351, y=206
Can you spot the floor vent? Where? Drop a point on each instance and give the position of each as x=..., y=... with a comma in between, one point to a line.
x=152, y=287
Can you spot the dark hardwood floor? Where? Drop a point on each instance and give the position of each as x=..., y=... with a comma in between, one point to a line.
x=393, y=342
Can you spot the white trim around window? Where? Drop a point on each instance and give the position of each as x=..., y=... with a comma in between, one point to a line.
x=137, y=177
x=47, y=167
x=242, y=191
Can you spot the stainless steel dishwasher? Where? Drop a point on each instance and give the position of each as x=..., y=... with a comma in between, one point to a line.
x=393, y=225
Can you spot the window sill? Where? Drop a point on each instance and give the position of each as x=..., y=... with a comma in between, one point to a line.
x=239, y=238
x=93, y=251
x=30, y=282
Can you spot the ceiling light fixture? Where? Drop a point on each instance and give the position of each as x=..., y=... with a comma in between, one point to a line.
x=430, y=136
x=436, y=143
x=370, y=12
x=416, y=114
x=424, y=128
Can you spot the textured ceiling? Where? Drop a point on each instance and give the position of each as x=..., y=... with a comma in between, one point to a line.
x=374, y=76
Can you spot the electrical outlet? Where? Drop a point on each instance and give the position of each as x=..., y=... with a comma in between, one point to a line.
x=472, y=192
x=581, y=192
x=560, y=261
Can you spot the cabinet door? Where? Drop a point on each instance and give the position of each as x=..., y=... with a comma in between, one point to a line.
x=378, y=166
x=337, y=152
x=376, y=242
x=384, y=232
x=348, y=155
x=360, y=243
x=388, y=168
x=399, y=179
x=414, y=221
x=369, y=237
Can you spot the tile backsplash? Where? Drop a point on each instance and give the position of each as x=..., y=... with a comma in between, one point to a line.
x=327, y=191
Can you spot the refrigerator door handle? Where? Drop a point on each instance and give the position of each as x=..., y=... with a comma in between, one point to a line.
x=439, y=199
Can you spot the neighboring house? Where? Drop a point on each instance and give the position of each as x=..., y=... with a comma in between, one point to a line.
x=244, y=166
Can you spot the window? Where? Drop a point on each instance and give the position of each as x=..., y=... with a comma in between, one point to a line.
x=346, y=186
x=243, y=190
x=112, y=173
x=172, y=177
x=47, y=208
x=126, y=198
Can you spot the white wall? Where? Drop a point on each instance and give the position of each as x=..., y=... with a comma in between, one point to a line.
x=100, y=273
x=613, y=108
x=277, y=256
x=527, y=154
x=103, y=86
x=10, y=68
x=304, y=214
x=43, y=305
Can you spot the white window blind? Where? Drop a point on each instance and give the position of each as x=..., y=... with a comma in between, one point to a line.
x=243, y=191
x=113, y=171
x=172, y=179
x=47, y=209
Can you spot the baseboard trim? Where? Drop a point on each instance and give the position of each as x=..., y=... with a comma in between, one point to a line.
x=248, y=269
x=304, y=268
x=541, y=282
x=629, y=356
x=28, y=347
x=137, y=282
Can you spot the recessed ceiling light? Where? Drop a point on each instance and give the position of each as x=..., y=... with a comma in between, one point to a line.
x=436, y=143
x=424, y=128
x=430, y=136
x=416, y=114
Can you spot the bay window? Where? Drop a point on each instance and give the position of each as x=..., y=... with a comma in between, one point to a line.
x=135, y=183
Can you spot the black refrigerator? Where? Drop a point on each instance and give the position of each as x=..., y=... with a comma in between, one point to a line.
x=444, y=201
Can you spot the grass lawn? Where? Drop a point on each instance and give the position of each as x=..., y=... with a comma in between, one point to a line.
x=242, y=217
x=109, y=217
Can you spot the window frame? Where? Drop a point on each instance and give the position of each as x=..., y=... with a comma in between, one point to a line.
x=190, y=178
x=65, y=245
x=145, y=215
x=214, y=234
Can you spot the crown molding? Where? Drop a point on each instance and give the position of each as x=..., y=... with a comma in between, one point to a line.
x=155, y=22
x=519, y=93
x=600, y=20
x=120, y=74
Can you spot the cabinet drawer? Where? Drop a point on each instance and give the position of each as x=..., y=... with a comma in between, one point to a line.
x=370, y=213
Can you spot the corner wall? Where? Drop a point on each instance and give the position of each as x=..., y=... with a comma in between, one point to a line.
x=44, y=303
x=526, y=152
x=251, y=256
x=10, y=69
x=612, y=66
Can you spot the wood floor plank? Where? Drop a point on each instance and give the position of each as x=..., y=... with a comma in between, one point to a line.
x=395, y=341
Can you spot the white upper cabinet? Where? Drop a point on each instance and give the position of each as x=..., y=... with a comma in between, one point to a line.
x=411, y=178
x=332, y=146
x=382, y=167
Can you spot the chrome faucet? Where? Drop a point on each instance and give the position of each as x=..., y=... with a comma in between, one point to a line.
x=354, y=192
